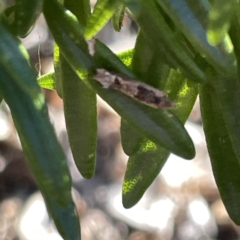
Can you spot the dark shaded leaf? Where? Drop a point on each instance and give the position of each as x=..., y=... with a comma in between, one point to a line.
x=26, y=14
x=224, y=162
x=44, y=154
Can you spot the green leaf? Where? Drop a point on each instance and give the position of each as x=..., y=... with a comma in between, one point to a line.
x=225, y=163
x=142, y=168
x=161, y=36
x=145, y=164
x=79, y=106
x=130, y=138
x=118, y=16
x=45, y=157
x=148, y=64
x=8, y=17
x=146, y=158
x=188, y=22
x=102, y=13
x=47, y=81
x=13, y=55
x=228, y=92
x=105, y=58
x=64, y=216
x=81, y=119
x=80, y=8
x=219, y=20
x=44, y=154
x=26, y=14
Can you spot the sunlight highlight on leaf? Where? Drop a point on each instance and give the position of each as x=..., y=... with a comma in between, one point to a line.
x=149, y=146
x=126, y=56
x=129, y=185
x=47, y=81
x=184, y=90
x=39, y=101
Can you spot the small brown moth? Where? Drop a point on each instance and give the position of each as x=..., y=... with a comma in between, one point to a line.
x=139, y=91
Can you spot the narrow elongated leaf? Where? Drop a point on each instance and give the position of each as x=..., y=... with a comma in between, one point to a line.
x=44, y=155
x=186, y=20
x=228, y=92
x=102, y=13
x=118, y=16
x=26, y=14
x=79, y=107
x=158, y=32
x=65, y=218
x=80, y=8
x=225, y=164
x=13, y=55
x=81, y=119
x=144, y=165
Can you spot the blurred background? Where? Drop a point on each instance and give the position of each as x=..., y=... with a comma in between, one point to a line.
x=183, y=203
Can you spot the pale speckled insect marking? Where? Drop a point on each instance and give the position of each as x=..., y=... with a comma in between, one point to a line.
x=140, y=91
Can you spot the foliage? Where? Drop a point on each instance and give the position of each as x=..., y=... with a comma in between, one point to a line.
x=183, y=47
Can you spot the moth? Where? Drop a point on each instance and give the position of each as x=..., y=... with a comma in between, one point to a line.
x=137, y=90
